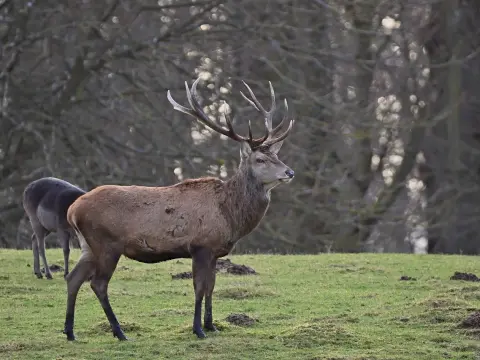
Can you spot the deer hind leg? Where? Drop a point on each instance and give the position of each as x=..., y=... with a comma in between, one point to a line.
x=36, y=258
x=210, y=285
x=64, y=237
x=40, y=233
x=80, y=273
x=203, y=270
x=99, y=285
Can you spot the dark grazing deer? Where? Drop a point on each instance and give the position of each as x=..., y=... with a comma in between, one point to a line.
x=200, y=219
x=46, y=202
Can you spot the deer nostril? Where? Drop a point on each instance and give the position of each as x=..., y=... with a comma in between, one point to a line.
x=290, y=173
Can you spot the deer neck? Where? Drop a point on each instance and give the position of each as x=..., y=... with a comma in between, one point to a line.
x=246, y=202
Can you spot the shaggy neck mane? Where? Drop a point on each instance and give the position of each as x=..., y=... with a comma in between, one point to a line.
x=246, y=202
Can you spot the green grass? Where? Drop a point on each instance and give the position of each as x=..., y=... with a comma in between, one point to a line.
x=336, y=306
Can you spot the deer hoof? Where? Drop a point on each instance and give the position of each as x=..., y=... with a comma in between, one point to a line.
x=199, y=332
x=39, y=275
x=120, y=335
x=49, y=276
x=70, y=336
x=211, y=328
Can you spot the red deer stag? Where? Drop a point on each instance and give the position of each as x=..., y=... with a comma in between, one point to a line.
x=46, y=202
x=201, y=219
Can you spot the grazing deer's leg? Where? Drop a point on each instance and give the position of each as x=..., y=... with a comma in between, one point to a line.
x=208, y=318
x=201, y=270
x=79, y=274
x=36, y=259
x=41, y=248
x=40, y=232
x=64, y=237
x=99, y=284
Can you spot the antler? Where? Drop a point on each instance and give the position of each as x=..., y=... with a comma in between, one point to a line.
x=271, y=138
x=268, y=139
x=197, y=112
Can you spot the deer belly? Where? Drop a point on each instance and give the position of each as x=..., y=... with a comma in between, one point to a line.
x=142, y=251
x=48, y=219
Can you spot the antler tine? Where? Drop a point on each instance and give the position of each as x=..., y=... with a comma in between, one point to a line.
x=234, y=135
x=274, y=139
x=256, y=104
x=250, y=136
x=272, y=108
x=280, y=137
x=177, y=106
x=279, y=126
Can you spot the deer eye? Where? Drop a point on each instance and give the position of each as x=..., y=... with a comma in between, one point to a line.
x=260, y=161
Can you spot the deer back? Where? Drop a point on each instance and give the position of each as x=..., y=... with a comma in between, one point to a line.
x=48, y=199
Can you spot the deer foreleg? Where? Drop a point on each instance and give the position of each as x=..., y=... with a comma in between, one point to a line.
x=36, y=258
x=203, y=264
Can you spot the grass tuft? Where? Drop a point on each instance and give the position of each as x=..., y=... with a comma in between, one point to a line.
x=315, y=334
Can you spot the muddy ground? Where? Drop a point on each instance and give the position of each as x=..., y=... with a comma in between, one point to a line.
x=53, y=268
x=407, y=278
x=240, y=320
x=464, y=276
x=223, y=266
x=472, y=321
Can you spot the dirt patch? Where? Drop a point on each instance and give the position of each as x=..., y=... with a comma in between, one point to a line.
x=472, y=321
x=53, y=268
x=104, y=327
x=223, y=266
x=240, y=320
x=182, y=275
x=464, y=276
x=407, y=278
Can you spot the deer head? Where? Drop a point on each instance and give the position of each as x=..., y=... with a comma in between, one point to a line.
x=258, y=155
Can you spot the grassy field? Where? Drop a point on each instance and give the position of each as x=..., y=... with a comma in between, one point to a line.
x=336, y=306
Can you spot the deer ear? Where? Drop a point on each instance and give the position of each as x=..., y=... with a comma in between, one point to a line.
x=245, y=150
x=275, y=148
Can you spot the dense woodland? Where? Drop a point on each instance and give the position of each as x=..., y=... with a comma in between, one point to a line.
x=386, y=144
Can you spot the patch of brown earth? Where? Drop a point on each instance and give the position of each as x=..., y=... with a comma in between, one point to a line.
x=53, y=268
x=235, y=269
x=472, y=321
x=464, y=276
x=240, y=320
x=104, y=327
x=223, y=266
x=182, y=275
